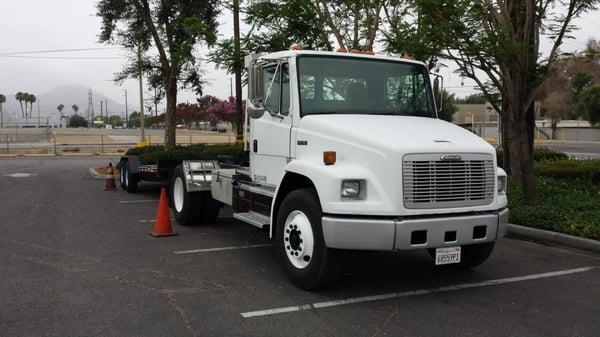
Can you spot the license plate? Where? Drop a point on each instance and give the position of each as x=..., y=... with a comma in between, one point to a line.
x=447, y=255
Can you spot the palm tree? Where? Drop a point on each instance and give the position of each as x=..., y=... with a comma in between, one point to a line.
x=60, y=108
x=21, y=97
x=75, y=108
x=32, y=99
x=2, y=101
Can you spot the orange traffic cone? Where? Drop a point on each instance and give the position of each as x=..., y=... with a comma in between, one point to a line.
x=162, y=226
x=110, y=185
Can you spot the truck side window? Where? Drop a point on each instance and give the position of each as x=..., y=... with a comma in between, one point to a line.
x=285, y=89
x=271, y=78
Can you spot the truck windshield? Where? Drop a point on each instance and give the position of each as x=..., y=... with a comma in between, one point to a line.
x=344, y=85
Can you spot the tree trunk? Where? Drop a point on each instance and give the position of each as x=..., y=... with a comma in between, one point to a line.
x=171, y=118
x=505, y=148
x=520, y=156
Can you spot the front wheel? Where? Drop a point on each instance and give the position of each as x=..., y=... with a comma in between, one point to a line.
x=300, y=243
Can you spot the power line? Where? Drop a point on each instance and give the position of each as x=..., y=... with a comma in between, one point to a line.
x=59, y=50
x=62, y=57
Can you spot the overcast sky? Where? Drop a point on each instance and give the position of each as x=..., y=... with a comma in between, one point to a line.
x=33, y=25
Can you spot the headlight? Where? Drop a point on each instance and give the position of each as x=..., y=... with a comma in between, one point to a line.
x=350, y=188
x=501, y=184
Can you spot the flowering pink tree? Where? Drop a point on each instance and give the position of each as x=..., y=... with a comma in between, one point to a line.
x=221, y=110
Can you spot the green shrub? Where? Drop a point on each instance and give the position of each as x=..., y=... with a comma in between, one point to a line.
x=586, y=170
x=563, y=205
x=539, y=154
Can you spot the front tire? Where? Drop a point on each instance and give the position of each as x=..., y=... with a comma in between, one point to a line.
x=300, y=244
x=191, y=208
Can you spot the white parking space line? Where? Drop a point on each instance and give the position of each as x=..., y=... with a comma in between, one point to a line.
x=218, y=249
x=137, y=201
x=152, y=220
x=173, y=219
x=328, y=304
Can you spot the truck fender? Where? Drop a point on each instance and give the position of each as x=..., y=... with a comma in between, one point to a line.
x=324, y=179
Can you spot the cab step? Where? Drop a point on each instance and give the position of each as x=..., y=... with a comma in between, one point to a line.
x=253, y=218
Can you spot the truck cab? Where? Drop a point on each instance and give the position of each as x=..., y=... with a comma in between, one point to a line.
x=346, y=153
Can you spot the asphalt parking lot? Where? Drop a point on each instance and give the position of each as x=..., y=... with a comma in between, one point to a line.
x=78, y=261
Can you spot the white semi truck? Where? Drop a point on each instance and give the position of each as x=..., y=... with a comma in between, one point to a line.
x=346, y=153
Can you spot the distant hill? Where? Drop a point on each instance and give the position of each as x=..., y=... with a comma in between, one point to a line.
x=67, y=95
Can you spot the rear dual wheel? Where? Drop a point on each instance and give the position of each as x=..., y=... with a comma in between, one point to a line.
x=192, y=208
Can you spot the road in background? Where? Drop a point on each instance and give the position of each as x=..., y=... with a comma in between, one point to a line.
x=95, y=141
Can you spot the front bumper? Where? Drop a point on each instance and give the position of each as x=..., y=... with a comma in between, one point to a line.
x=368, y=233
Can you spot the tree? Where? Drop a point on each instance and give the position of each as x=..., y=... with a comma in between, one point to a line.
x=77, y=121
x=173, y=28
x=2, y=101
x=221, y=110
x=556, y=106
x=21, y=97
x=496, y=43
x=476, y=98
x=449, y=107
x=353, y=23
x=590, y=100
x=31, y=99
x=60, y=108
x=115, y=120
x=274, y=26
x=75, y=108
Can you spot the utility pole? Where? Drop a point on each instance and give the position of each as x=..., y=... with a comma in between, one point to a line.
x=126, y=121
x=155, y=103
x=230, y=87
x=101, y=110
x=238, y=68
x=141, y=94
x=90, y=111
x=38, y=104
x=106, y=110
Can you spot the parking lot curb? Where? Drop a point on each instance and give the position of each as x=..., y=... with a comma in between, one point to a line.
x=553, y=238
x=97, y=175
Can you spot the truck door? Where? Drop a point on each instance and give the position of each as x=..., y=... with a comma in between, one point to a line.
x=270, y=134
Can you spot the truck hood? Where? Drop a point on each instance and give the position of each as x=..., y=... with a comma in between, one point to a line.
x=399, y=134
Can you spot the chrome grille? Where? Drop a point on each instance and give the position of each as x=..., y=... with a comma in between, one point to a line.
x=429, y=182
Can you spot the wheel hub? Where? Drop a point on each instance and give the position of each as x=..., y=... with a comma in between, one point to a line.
x=298, y=239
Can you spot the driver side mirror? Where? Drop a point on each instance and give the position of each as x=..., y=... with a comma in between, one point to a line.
x=255, y=91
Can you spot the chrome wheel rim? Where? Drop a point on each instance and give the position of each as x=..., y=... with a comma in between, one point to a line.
x=298, y=239
x=178, y=191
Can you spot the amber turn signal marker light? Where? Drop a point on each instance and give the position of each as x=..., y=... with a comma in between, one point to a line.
x=329, y=157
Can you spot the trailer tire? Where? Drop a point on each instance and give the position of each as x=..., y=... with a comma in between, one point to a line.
x=131, y=179
x=309, y=264
x=471, y=255
x=122, y=173
x=191, y=208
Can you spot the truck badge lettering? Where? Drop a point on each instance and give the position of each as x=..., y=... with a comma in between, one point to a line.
x=450, y=157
